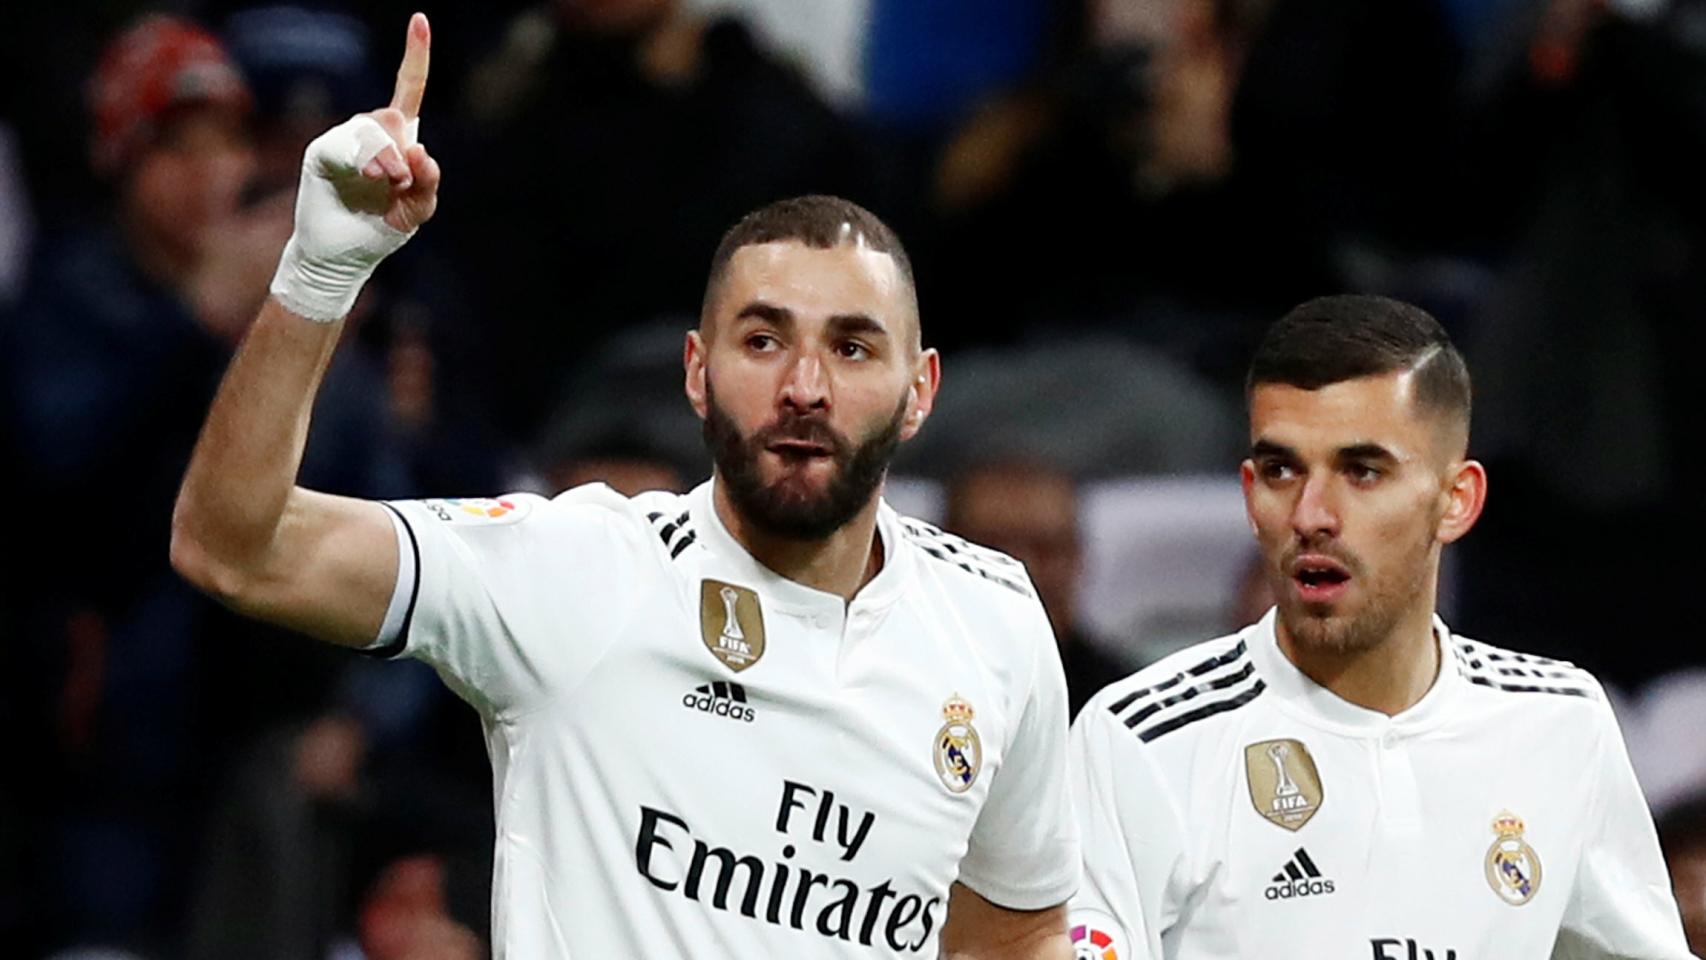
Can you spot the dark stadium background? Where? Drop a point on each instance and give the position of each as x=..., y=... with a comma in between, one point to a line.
x=1106, y=200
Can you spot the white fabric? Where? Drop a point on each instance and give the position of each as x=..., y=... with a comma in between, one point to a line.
x=814, y=804
x=1182, y=864
x=340, y=234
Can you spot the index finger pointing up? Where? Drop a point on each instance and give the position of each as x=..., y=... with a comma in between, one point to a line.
x=412, y=75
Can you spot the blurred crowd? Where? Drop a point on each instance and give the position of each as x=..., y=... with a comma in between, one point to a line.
x=1105, y=200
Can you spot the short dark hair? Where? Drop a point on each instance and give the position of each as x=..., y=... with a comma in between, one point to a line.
x=816, y=220
x=1330, y=340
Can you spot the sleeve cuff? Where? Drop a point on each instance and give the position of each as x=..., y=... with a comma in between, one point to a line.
x=393, y=636
x=1030, y=896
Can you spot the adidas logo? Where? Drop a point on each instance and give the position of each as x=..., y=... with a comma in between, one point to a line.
x=1300, y=878
x=722, y=698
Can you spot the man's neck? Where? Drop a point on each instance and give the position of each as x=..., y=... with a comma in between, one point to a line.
x=1390, y=676
x=841, y=563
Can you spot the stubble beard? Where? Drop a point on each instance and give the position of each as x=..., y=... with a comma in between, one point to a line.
x=1385, y=602
x=782, y=508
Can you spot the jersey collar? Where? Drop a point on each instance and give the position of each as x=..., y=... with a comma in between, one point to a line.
x=784, y=593
x=1307, y=700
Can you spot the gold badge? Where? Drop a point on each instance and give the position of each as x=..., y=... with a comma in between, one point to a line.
x=1284, y=784
x=959, y=752
x=731, y=623
x=1513, y=868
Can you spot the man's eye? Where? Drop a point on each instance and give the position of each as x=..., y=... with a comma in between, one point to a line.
x=1275, y=470
x=853, y=350
x=1362, y=473
x=760, y=341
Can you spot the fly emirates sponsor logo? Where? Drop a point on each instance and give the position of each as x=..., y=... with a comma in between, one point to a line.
x=782, y=891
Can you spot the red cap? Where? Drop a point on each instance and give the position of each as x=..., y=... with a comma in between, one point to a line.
x=159, y=63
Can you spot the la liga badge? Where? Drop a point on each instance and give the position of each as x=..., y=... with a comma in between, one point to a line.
x=1096, y=936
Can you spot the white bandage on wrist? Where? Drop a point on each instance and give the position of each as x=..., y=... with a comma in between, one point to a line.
x=341, y=234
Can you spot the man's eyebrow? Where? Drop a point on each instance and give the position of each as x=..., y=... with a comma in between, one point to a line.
x=1268, y=448
x=768, y=312
x=1366, y=451
x=847, y=323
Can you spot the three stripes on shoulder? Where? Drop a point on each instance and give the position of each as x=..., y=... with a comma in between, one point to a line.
x=1223, y=682
x=991, y=565
x=1521, y=672
x=668, y=530
x=1227, y=681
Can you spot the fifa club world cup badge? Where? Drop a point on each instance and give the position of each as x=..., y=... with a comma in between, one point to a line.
x=959, y=752
x=731, y=623
x=1513, y=868
x=1284, y=784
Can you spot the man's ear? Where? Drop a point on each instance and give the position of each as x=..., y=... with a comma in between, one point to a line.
x=1465, y=495
x=921, y=394
x=1247, y=482
x=693, y=364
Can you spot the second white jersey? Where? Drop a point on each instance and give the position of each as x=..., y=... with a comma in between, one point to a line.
x=1231, y=807
x=695, y=757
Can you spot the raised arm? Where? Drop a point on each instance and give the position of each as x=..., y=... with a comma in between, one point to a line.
x=242, y=530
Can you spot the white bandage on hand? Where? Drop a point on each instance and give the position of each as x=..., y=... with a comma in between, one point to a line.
x=340, y=234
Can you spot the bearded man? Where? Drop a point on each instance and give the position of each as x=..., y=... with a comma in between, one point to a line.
x=769, y=717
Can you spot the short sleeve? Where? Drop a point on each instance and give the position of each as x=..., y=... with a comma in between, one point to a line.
x=1622, y=904
x=1023, y=851
x=511, y=599
x=1133, y=837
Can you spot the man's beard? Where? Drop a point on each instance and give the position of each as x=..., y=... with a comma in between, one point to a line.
x=780, y=509
x=1385, y=601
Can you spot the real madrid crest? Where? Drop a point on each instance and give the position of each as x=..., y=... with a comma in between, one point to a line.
x=1513, y=868
x=959, y=752
x=731, y=623
x=1284, y=784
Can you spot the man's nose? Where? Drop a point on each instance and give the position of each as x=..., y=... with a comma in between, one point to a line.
x=1316, y=512
x=806, y=386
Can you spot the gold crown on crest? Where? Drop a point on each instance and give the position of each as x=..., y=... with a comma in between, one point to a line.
x=957, y=708
x=1508, y=824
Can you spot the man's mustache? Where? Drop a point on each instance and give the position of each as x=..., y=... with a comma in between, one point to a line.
x=810, y=430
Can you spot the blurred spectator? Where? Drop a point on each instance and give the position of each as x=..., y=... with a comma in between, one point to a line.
x=616, y=141
x=406, y=916
x=279, y=847
x=1030, y=512
x=1592, y=138
x=626, y=464
x=1190, y=171
x=308, y=69
x=1090, y=192
x=110, y=358
x=1682, y=834
x=927, y=65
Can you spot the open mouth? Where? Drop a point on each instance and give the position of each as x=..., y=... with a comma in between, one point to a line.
x=1319, y=579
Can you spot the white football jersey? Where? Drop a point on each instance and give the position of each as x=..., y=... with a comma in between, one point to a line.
x=1231, y=807
x=695, y=757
